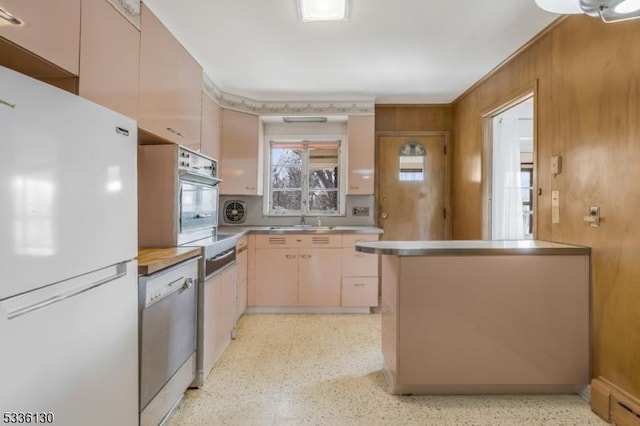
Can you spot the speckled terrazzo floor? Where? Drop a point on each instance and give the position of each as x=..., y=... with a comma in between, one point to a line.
x=325, y=370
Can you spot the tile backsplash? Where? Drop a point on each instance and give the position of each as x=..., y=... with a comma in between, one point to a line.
x=360, y=211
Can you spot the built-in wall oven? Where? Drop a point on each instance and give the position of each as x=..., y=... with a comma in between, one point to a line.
x=177, y=196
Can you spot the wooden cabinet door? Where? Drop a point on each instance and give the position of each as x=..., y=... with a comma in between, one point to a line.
x=320, y=274
x=240, y=165
x=276, y=281
x=211, y=127
x=51, y=29
x=170, y=86
x=361, y=154
x=109, y=58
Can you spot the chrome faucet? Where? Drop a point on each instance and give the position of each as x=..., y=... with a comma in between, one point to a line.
x=302, y=221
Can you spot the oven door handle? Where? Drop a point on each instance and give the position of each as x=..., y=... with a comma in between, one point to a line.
x=221, y=256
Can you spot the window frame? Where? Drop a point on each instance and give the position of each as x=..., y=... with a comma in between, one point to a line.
x=305, y=139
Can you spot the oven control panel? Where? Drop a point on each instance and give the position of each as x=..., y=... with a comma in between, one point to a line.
x=194, y=162
x=183, y=276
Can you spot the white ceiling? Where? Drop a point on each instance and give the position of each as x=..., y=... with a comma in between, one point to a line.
x=390, y=51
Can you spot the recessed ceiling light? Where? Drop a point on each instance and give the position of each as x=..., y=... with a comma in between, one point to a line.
x=323, y=10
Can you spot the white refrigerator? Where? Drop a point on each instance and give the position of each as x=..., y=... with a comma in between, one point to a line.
x=68, y=243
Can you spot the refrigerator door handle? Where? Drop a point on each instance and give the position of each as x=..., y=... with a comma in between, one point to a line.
x=121, y=271
x=10, y=105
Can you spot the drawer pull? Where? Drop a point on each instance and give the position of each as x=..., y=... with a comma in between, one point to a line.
x=290, y=256
x=359, y=284
x=360, y=255
x=305, y=256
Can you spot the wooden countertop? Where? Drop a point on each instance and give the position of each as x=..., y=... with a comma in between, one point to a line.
x=152, y=260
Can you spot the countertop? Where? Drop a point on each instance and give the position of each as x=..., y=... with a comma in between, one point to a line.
x=469, y=248
x=152, y=260
x=281, y=229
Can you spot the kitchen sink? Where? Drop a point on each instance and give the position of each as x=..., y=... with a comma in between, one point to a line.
x=297, y=228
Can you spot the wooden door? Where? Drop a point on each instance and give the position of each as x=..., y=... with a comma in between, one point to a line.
x=412, y=209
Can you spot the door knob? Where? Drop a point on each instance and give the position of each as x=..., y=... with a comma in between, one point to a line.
x=383, y=215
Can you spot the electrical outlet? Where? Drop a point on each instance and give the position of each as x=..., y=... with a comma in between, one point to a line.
x=360, y=211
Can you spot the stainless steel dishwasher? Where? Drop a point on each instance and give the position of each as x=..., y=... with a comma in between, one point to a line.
x=167, y=325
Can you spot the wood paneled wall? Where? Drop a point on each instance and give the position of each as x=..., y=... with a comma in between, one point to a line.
x=588, y=111
x=413, y=118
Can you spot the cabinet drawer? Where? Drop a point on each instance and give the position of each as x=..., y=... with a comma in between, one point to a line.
x=278, y=240
x=356, y=264
x=320, y=240
x=360, y=291
x=299, y=240
x=349, y=240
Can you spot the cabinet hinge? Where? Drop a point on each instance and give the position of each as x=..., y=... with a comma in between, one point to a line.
x=444, y=148
x=444, y=213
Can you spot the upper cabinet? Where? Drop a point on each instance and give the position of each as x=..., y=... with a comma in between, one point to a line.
x=241, y=159
x=109, y=58
x=49, y=29
x=211, y=127
x=170, y=86
x=361, y=155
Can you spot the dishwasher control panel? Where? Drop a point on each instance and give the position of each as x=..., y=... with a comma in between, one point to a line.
x=182, y=276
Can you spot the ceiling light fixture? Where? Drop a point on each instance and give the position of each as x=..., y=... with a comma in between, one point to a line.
x=608, y=10
x=303, y=119
x=323, y=10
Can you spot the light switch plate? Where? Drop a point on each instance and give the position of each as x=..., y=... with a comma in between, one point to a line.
x=556, y=165
x=555, y=206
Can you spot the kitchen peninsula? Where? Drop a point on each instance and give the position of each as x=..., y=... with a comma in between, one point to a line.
x=478, y=317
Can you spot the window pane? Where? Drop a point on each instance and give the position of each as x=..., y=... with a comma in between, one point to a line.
x=286, y=200
x=323, y=200
x=286, y=177
x=282, y=156
x=286, y=168
x=326, y=178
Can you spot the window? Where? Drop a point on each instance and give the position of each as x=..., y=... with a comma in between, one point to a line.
x=304, y=178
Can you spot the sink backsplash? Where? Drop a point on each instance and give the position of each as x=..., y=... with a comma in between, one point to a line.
x=360, y=211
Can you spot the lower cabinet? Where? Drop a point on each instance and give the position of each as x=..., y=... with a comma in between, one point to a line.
x=219, y=309
x=298, y=270
x=321, y=270
x=319, y=277
x=241, y=276
x=276, y=277
x=360, y=291
x=359, y=273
